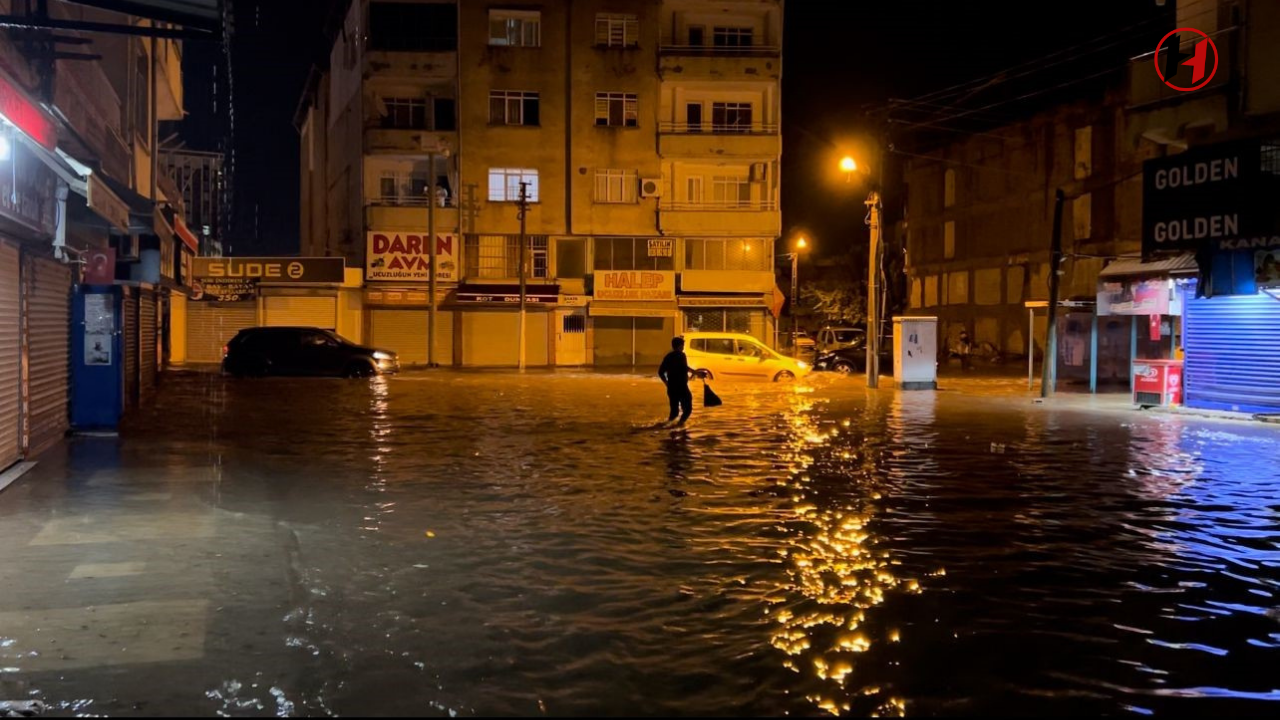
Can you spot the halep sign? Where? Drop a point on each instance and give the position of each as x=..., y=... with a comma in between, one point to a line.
x=1202, y=71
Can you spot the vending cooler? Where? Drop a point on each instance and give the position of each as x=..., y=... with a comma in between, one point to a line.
x=1157, y=382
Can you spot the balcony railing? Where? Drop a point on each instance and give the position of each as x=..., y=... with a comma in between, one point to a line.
x=674, y=128
x=719, y=206
x=412, y=201
x=721, y=50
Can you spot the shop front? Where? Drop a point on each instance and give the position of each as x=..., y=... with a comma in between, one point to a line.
x=1222, y=202
x=749, y=315
x=35, y=281
x=488, y=319
x=397, y=294
x=398, y=320
x=231, y=294
x=632, y=316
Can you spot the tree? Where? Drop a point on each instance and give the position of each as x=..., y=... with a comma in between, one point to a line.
x=835, y=300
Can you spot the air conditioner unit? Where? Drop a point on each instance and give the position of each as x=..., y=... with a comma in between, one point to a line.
x=651, y=187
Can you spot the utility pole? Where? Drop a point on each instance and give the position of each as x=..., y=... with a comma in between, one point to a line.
x=1049, y=372
x=431, y=245
x=524, y=212
x=873, y=304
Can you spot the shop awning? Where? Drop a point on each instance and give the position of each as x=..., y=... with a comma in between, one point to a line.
x=1184, y=264
x=184, y=234
x=631, y=308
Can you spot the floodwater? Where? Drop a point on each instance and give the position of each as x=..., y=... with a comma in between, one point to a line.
x=489, y=543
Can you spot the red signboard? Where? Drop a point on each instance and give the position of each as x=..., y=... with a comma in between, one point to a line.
x=185, y=235
x=1158, y=378
x=26, y=115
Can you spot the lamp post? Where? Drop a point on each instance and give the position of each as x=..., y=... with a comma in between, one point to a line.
x=801, y=244
x=849, y=166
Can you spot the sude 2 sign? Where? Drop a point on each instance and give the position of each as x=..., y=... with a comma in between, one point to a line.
x=1205, y=198
x=271, y=270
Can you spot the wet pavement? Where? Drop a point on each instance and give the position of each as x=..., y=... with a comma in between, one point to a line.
x=488, y=543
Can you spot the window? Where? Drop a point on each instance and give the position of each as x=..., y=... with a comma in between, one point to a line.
x=697, y=36
x=731, y=191
x=625, y=253
x=728, y=254
x=444, y=114
x=717, y=346
x=617, y=30
x=515, y=28
x=508, y=107
x=571, y=258
x=405, y=113
x=949, y=188
x=732, y=37
x=574, y=324
x=615, y=186
x=1084, y=152
x=498, y=256
x=403, y=188
x=949, y=240
x=1082, y=216
x=504, y=184
x=617, y=110
x=421, y=27
x=693, y=190
x=731, y=117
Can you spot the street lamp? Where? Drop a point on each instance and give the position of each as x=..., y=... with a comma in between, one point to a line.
x=801, y=244
x=849, y=166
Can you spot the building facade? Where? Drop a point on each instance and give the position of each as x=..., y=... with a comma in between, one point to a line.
x=83, y=202
x=645, y=136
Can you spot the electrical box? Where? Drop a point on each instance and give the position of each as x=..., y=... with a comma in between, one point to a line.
x=915, y=353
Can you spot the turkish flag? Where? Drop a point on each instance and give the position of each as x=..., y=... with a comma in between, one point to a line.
x=1154, y=326
x=779, y=300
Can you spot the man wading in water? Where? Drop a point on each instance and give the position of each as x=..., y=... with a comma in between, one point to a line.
x=675, y=373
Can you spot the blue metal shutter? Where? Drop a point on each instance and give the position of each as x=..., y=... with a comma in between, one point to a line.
x=1233, y=353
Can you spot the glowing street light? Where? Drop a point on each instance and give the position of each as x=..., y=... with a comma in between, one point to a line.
x=849, y=166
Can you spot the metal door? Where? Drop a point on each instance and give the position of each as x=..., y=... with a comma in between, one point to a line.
x=571, y=337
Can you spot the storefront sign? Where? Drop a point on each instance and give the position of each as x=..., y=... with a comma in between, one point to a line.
x=23, y=112
x=223, y=289
x=549, y=294
x=1208, y=197
x=660, y=247
x=27, y=190
x=635, y=285
x=722, y=302
x=1266, y=264
x=107, y=204
x=1134, y=297
x=403, y=256
x=271, y=270
x=574, y=300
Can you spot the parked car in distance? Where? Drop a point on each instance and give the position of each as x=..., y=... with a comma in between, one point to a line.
x=734, y=356
x=834, y=338
x=853, y=359
x=804, y=342
x=261, y=351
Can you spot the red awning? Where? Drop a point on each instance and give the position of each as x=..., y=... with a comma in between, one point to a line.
x=188, y=238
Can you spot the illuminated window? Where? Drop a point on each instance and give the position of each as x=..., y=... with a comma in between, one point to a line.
x=504, y=184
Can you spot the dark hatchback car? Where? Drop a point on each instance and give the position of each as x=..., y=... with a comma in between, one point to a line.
x=303, y=351
x=853, y=359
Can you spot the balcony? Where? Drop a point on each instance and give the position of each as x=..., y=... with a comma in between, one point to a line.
x=755, y=62
x=391, y=141
x=756, y=218
x=396, y=213
x=685, y=140
x=169, y=103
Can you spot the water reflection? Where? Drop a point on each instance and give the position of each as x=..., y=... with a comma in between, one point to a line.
x=838, y=570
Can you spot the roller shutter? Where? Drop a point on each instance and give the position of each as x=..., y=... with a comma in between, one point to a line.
x=148, y=333
x=1232, y=346
x=290, y=311
x=10, y=379
x=404, y=332
x=49, y=351
x=489, y=339
x=131, y=342
x=210, y=326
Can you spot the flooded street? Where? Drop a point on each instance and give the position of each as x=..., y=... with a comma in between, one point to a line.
x=488, y=543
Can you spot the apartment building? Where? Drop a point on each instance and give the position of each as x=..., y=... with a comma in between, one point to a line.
x=645, y=136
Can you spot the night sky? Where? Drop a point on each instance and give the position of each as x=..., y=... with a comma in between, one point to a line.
x=841, y=57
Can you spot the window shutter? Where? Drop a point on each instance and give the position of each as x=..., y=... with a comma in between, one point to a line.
x=632, y=112
x=602, y=31
x=602, y=109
